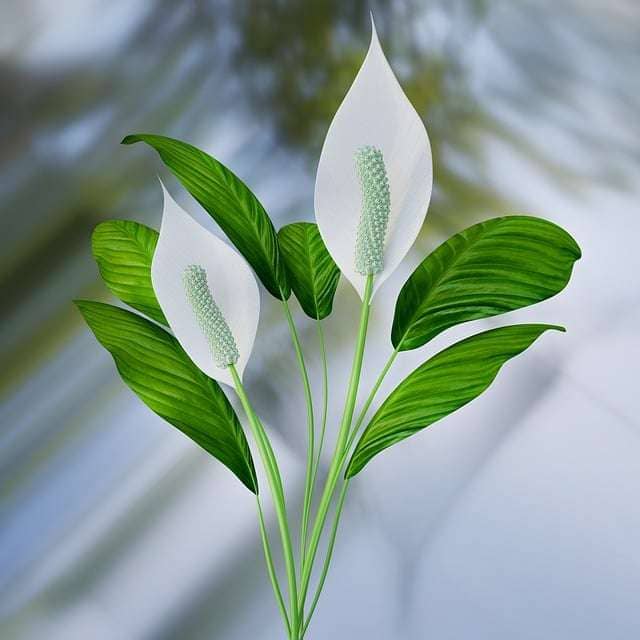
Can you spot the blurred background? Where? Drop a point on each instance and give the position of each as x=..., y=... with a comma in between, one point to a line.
x=518, y=517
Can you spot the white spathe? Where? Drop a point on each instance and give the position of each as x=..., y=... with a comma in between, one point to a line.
x=184, y=242
x=374, y=112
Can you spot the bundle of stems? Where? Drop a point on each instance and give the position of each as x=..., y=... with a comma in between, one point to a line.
x=297, y=614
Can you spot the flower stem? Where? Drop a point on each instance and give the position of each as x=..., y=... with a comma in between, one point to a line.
x=369, y=400
x=277, y=492
x=270, y=566
x=327, y=561
x=338, y=457
x=325, y=402
x=308, y=483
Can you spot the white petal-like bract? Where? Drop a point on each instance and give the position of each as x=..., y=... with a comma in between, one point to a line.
x=374, y=113
x=183, y=242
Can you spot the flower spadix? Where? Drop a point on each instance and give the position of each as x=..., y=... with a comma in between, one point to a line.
x=375, y=174
x=207, y=293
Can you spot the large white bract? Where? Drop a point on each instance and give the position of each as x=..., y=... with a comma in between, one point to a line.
x=375, y=113
x=184, y=243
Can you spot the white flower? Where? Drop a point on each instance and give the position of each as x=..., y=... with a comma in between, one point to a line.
x=375, y=174
x=207, y=293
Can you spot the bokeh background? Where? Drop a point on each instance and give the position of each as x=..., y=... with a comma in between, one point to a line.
x=518, y=517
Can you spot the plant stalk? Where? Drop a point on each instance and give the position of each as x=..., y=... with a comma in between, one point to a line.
x=308, y=483
x=370, y=397
x=325, y=403
x=273, y=576
x=338, y=457
x=275, y=484
x=327, y=561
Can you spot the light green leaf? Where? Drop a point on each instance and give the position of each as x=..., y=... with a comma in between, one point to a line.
x=490, y=268
x=440, y=386
x=312, y=272
x=153, y=364
x=123, y=250
x=230, y=203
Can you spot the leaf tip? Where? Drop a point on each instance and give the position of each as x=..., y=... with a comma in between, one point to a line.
x=82, y=306
x=578, y=251
x=542, y=328
x=131, y=139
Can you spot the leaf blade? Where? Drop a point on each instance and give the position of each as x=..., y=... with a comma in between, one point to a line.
x=490, y=268
x=440, y=386
x=313, y=274
x=229, y=201
x=123, y=250
x=154, y=366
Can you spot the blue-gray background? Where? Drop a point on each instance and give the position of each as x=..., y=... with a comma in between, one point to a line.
x=518, y=517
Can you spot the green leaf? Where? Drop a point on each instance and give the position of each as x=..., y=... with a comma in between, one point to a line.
x=440, y=386
x=490, y=268
x=312, y=272
x=230, y=203
x=155, y=367
x=123, y=250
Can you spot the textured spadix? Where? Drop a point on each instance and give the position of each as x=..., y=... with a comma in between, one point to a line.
x=376, y=114
x=213, y=324
x=374, y=218
x=184, y=244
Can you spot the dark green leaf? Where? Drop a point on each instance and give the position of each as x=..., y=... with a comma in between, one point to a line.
x=123, y=250
x=154, y=366
x=440, y=386
x=312, y=272
x=490, y=268
x=230, y=203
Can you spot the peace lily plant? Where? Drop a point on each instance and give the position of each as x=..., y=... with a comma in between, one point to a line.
x=198, y=303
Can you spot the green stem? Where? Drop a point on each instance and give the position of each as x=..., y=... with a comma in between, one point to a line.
x=327, y=561
x=338, y=457
x=275, y=484
x=325, y=402
x=271, y=568
x=369, y=400
x=308, y=483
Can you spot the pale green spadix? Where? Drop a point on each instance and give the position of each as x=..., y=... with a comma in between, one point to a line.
x=215, y=328
x=376, y=205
